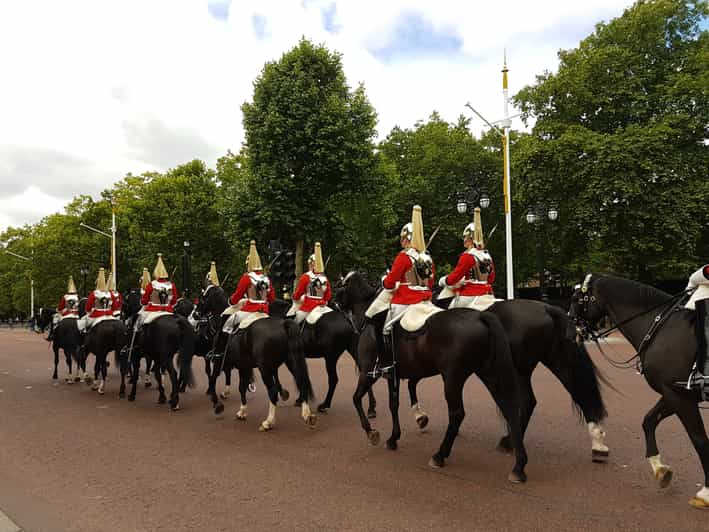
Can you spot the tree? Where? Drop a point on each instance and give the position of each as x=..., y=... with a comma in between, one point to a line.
x=310, y=143
x=619, y=143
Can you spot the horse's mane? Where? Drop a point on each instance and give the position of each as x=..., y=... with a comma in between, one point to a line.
x=360, y=283
x=632, y=289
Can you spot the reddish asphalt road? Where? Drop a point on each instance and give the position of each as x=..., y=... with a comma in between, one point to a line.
x=72, y=460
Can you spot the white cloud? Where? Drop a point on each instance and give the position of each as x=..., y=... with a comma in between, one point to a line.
x=95, y=89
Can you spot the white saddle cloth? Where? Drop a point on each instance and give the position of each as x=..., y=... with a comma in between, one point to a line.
x=702, y=292
x=474, y=302
x=416, y=315
x=92, y=322
x=252, y=317
x=317, y=313
x=68, y=317
x=150, y=317
x=232, y=309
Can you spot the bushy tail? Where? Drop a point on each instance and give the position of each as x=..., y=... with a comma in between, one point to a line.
x=297, y=360
x=187, y=344
x=572, y=359
x=502, y=366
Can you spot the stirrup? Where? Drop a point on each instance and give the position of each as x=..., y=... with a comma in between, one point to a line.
x=381, y=371
x=212, y=355
x=695, y=381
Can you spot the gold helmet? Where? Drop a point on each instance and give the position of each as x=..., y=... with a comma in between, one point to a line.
x=474, y=231
x=101, y=280
x=316, y=259
x=160, y=272
x=111, y=284
x=253, y=261
x=70, y=286
x=212, y=277
x=145, y=279
x=417, y=241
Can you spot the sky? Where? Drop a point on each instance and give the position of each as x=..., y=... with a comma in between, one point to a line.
x=93, y=89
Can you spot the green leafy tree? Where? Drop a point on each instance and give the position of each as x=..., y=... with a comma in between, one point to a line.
x=620, y=144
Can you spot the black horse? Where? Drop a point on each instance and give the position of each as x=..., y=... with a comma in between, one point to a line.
x=453, y=343
x=541, y=333
x=666, y=349
x=66, y=338
x=266, y=344
x=159, y=341
x=104, y=336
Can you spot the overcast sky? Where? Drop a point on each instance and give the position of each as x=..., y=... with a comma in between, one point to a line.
x=93, y=89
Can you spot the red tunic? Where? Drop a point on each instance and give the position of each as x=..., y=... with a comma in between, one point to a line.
x=464, y=270
x=405, y=295
x=97, y=313
x=66, y=311
x=251, y=305
x=117, y=301
x=148, y=306
x=310, y=302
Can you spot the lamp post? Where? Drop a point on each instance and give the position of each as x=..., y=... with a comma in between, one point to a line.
x=22, y=257
x=112, y=236
x=84, y=272
x=537, y=216
x=186, y=269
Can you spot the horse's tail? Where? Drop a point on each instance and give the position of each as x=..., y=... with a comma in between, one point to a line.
x=297, y=360
x=583, y=375
x=187, y=343
x=502, y=364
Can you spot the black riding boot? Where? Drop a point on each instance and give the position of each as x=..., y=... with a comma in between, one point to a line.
x=699, y=378
x=219, y=347
x=50, y=336
x=384, y=365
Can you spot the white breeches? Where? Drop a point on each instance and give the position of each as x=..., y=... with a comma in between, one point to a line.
x=233, y=322
x=300, y=316
x=56, y=319
x=84, y=323
x=395, y=313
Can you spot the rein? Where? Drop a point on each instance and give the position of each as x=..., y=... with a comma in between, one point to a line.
x=667, y=308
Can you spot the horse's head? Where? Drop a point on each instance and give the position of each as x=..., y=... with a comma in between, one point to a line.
x=352, y=289
x=212, y=300
x=44, y=317
x=131, y=302
x=184, y=307
x=82, y=306
x=586, y=308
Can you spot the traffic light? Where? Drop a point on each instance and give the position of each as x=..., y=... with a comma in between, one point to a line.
x=276, y=270
x=289, y=267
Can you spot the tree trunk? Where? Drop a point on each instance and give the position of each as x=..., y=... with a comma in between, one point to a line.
x=299, y=245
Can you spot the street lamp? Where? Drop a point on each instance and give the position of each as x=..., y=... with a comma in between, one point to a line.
x=470, y=199
x=112, y=236
x=186, y=268
x=84, y=272
x=537, y=216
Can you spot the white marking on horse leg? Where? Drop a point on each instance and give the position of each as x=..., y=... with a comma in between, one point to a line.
x=227, y=392
x=101, y=386
x=305, y=410
x=703, y=494
x=270, y=421
x=241, y=414
x=598, y=436
x=656, y=464
x=418, y=412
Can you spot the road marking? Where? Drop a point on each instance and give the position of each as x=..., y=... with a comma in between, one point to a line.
x=6, y=524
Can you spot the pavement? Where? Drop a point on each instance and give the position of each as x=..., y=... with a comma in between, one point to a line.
x=71, y=460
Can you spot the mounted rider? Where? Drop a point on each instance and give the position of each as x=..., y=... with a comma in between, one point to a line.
x=99, y=304
x=313, y=290
x=470, y=283
x=68, y=307
x=408, y=283
x=699, y=302
x=211, y=279
x=249, y=301
x=117, y=297
x=157, y=297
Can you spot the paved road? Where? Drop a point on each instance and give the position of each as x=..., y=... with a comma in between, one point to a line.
x=71, y=460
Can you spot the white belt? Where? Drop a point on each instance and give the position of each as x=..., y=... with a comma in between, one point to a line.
x=258, y=301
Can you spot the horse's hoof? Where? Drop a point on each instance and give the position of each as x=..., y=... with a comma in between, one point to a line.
x=374, y=438
x=284, y=394
x=422, y=422
x=218, y=409
x=224, y=395
x=94, y=387
x=664, y=476
x=436, y=462
x=175, y=408
x=371, y=414
x=162, y=400
x=392, y=445
x=240, y=417
x=100, y=391
x=69, y=381
x=298, y=402
x=504, y=445
x=517, y=478
x=311, y=421
x=121, y=395
x=77, y=379
x=323, y=409
x=265, y=427
x=131, y=398
x=55, y=377
x=696, y=502
x=148, y=384
x=599, y=457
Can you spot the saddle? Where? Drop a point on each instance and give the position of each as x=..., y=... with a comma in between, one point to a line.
x=416, y=315
x=152, y=316
x=252, y=317
x=317, y=313
x=474, y=302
